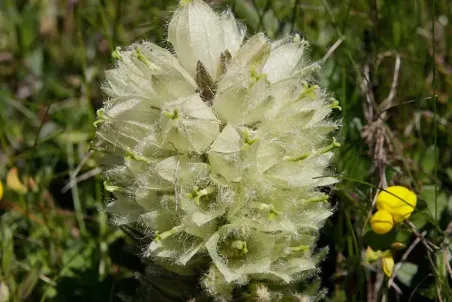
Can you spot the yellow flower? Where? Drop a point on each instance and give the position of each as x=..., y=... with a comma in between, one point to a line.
x=381, y=222
x=1, y=190
x=398, y=201
x=387, y=262
x=13, y=181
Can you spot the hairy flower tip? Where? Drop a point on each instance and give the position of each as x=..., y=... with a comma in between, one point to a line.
x=218, y=149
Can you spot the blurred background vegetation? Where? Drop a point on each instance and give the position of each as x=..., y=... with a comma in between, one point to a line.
x=388, y=62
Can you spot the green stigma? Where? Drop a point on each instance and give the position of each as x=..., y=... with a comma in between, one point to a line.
x=116, y=54
x=185, y=2
x=316, y=199
x=298, y=157
x=307, y=91
x=100, y=117
x=145, y=60
x=173, y=116
x=248, y=141
x=196, y=194
x=335, y=105
x=330, y=147
x=111, y=188
x=256, y=76
x=240, y=245
x=133, y=156
x=300, y=248
x=164, y=235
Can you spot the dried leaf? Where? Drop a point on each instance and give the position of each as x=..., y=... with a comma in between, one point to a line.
x=205, y=83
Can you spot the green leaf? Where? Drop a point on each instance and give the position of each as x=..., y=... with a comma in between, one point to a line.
x=403, y=234
x=449, y=173
x=28, y=29
x=7, y=252
x=419, y=219
x=74, y=137
x=29, y=282
x=407, y=272
x=245, y=11
x=35, y=61
x=397, y=34
x=428, y=162
x=428, y=194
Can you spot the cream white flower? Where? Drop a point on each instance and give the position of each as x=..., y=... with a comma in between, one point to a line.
x=197, y=33
x=218, y=152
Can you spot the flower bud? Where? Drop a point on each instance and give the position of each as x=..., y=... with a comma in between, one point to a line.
x=398, y=245
x=387, y=263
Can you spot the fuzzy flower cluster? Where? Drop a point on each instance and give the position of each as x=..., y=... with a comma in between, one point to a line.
x=219, y=149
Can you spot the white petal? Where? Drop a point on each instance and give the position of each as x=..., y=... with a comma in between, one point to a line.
x=196, y=34
x=124, y=83
x=307, y=172
x=132, y=109
x=192, y=107
x=241, y=104
x=126, y=210
x=196, y=108
x=166, y=62
x=234, y=33
x=268, y=154
x=227, y=165
x=290, y=123
x=168, y=88
x=200, y=133
x=195, y=128
x=228, y=141
x=167, y=169
x=283, y=61
x=254, y=52
x=211, y=246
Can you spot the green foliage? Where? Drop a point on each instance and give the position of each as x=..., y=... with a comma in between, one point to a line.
x=55, y=244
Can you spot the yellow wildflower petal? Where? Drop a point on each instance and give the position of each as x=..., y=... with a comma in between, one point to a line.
x=397, y=200
x=387, y=262
x=1, y=190
x=13, y=182
x=381, y=222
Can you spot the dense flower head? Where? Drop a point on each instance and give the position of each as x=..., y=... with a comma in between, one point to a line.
x=219, y=149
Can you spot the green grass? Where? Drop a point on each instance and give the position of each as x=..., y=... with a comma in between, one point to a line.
x=389, y=63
